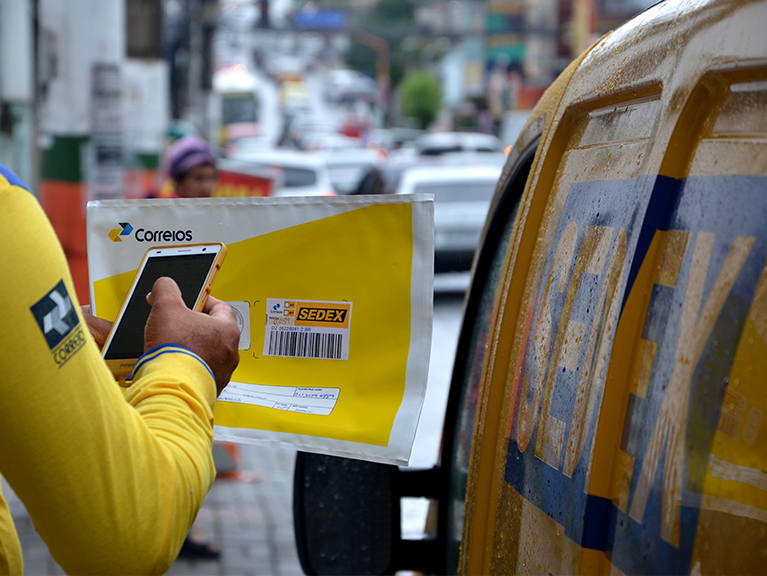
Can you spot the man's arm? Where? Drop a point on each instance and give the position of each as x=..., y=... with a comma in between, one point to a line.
x=112, y=486
x=213, y=334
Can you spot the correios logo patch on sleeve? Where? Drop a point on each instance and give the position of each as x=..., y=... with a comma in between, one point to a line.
x=59, y=323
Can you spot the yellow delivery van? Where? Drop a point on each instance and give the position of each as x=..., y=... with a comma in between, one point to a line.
x=606, y=413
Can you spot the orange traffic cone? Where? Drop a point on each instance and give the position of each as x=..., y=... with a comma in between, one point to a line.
x=226, y=456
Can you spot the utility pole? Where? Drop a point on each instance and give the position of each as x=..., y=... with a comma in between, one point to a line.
x=81, y=47
x=189, y=50
x=383, y=78
x=146, y=97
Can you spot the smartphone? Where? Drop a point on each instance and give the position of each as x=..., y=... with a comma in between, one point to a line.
x=192, y=266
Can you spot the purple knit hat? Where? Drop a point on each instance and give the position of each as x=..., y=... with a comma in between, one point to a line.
x=185, y=154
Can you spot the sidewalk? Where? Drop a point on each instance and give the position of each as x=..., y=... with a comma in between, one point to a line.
x=251, y=521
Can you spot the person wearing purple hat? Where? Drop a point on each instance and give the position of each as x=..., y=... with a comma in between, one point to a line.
x=191, y=167
x=191, y=164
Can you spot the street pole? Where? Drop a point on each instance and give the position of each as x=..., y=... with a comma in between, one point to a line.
x=146, y=98
x=383, y=78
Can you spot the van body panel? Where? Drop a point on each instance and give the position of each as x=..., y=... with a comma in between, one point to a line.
x=620, y=426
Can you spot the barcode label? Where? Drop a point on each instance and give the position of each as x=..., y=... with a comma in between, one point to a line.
x=306, y=345
x=307, y=329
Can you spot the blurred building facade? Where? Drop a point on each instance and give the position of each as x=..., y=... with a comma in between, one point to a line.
x=17, y=87
x=87, y=91
x=88, y=88
x=504, y=53
x=80, y=51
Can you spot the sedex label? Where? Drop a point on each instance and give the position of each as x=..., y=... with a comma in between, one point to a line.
x=307, y=329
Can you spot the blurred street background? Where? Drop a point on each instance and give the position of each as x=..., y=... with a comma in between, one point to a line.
x=296, y=97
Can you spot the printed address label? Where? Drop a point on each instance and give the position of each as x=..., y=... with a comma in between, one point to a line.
x=318, y=401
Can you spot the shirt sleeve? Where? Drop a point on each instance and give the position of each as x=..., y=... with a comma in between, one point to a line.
x=112, y=481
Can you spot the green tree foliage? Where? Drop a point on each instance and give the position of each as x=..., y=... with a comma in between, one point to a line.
x=420, y=97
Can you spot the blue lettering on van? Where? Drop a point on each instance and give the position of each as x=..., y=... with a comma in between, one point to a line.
x=716, y=228
x=571, y=327
x=691, y=332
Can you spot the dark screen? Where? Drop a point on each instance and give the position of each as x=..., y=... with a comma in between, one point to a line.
x=189, y=272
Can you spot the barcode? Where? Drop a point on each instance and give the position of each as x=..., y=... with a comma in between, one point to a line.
x=306, y=345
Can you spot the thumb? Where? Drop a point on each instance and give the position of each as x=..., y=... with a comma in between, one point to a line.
x=215, y=308
x=167, y=306
x=165, y=292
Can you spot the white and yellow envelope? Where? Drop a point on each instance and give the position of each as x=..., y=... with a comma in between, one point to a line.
x=334, y=300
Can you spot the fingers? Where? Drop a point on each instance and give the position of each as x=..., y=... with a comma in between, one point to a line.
x=209, y=303
x=216, y=308
x=165, y=292
x=98, y=327
x=168, y=308
x=213, y=335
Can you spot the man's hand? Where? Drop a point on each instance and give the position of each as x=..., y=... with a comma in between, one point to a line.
x=213, y=334
x=98, y=327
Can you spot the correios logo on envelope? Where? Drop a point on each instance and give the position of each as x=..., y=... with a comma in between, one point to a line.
x=124, y=230
x=143, y=235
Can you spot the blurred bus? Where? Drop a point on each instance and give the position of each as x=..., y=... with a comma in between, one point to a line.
x=236, y=105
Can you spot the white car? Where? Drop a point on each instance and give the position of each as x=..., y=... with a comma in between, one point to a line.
x=348, y=85
x=462, y=197
x=348, y=167
x=333, y=143
x=297, y=173
x=436, y=143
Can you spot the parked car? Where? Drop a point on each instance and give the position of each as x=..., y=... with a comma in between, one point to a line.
x=391, y=139
x=400, y=161
x=511, y=125
x=472, y=158
x=462, y=197
x=347, y=167
x=436, y=143
x=248, y=144
x=297, y=173
x=344, y=85
x=302, y=128
x=332, y=142
x=239, y=178
x=606, y=411
x=300, y=122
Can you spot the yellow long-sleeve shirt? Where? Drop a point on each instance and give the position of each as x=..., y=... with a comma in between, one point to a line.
x=112, y=481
